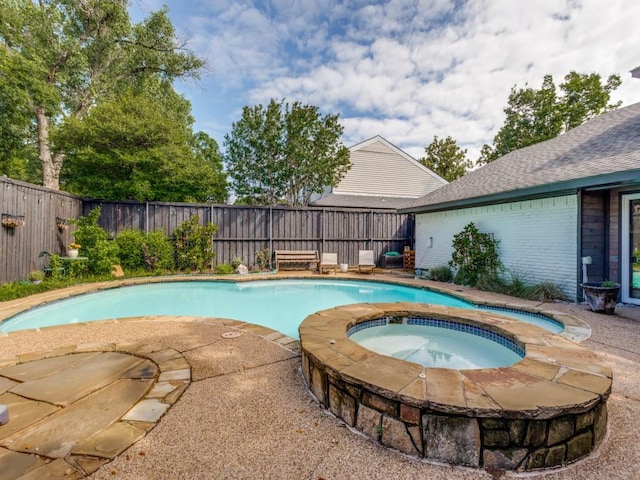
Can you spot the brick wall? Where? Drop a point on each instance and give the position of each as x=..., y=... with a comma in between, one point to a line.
x=538, y=238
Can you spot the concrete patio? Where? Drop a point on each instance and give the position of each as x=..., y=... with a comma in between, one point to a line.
x=245, y=413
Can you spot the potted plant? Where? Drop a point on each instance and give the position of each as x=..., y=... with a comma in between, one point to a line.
x=602, y=296
x=72, y=250
x=36, y=276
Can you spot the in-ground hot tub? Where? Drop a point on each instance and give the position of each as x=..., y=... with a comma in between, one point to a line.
x=547, y=410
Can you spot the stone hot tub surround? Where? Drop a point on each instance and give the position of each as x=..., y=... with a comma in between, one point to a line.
x=545, y=411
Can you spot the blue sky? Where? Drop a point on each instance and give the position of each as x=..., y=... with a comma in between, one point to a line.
x=403, y=69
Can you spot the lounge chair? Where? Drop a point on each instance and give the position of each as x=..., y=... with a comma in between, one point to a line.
x=365, y=261
x=329, y=261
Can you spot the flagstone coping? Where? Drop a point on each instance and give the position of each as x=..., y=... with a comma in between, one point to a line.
x=575, y=329
x=544, y=411
x=73, y=409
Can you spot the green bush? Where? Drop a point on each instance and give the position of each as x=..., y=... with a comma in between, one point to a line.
x=225, y=269
x=130, y=243
x=193, y=247
x=151, y=251
x=157, y=251
x=263, y=259
x=236, y=262
x=55, y=264
x=102, y=254
x=440, y=274
x=516, y=287
x=492, y=283
x=475, y=254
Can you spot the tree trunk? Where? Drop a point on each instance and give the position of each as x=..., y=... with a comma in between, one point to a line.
x=51, y=163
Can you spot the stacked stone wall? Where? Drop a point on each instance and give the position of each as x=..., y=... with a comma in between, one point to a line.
x=471, y=440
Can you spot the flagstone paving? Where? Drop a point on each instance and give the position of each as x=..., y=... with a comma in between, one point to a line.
x=84, y=407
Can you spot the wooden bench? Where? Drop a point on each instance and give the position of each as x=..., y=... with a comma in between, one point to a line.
x=296, y=256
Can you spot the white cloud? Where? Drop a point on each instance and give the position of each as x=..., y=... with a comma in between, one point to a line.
x=403, y=69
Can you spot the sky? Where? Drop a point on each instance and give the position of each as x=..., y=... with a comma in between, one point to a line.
x=402, y=69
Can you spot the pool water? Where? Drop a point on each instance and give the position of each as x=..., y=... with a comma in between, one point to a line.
x=432, y=346
x=278, y=304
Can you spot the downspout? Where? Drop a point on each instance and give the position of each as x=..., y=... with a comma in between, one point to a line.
x=581, y=268
x=607, y=236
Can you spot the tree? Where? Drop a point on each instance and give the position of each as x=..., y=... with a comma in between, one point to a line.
x=533, y=116
x=68, y=55
x=283, y=153
x=132, y=148
x=207, y=153
x=446, y=158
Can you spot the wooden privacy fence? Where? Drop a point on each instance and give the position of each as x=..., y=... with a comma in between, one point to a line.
x=39, y=217
x=35, y=219
x=244, y=231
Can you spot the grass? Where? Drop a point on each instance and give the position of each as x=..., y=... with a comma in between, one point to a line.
x=20, y=289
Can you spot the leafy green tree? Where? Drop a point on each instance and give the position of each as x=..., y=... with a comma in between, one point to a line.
x=207, y=154
x=446, y=158
x=132, y=148
x=18, y=157
x=533, y=116
x=284, y=153
x=68, y=55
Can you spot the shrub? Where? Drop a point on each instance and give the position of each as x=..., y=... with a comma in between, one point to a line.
x=225, y=269
x=55, y=264
x=193, y=245
x=263, y=259
x=36, y=275
x=236, y=262
x=130, y=242
x=492, y=283
x=102, y=254
x=475, y=254
x=516, y=287
x=440, y=274
x=157, y=251
x=545, y=292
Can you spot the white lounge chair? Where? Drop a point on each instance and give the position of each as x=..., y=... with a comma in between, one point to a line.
x=365, y=261
x=329, y=261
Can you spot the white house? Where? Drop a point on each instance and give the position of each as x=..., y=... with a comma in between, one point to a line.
x=381, y=176
x=550, y=205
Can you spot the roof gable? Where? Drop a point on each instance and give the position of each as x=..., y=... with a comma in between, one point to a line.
x=604, y=146
x=380, y=168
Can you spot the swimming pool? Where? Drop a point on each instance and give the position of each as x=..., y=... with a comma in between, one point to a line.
x=278, y=304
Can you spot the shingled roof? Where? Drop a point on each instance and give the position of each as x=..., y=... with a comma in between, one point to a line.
x=605, y=151
x=362, y=201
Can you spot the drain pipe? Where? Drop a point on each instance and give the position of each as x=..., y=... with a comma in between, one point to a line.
x=585, y=278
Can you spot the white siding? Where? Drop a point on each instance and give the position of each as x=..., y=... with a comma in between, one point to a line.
x=377, y=169
x=538, y=238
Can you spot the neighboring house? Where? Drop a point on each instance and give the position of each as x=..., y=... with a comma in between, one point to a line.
x=550, y=205
x=381, y=176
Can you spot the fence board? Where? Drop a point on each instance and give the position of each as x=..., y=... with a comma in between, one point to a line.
x=20, y=247
x=242, y=231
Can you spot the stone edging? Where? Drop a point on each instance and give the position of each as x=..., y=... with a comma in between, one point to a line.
x=171, y=374
x=545, y=411
x=575, y=329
